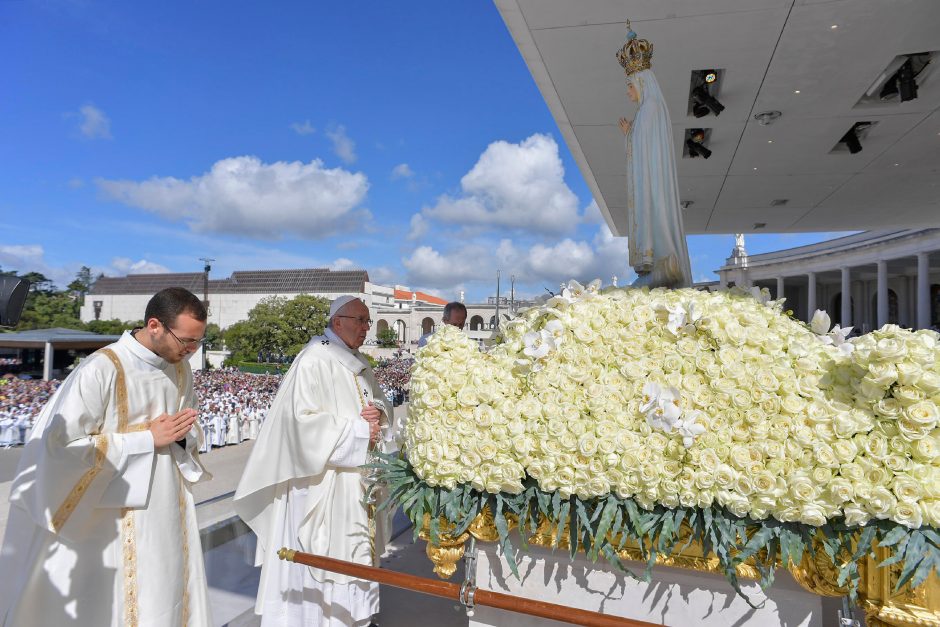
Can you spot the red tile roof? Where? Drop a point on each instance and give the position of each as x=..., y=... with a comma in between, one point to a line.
x=422, y=297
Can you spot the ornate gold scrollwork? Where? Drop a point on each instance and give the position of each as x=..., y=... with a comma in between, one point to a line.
x=918, y=607
x=883, y=606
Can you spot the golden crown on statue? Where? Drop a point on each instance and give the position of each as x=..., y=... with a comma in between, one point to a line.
x=636, y=54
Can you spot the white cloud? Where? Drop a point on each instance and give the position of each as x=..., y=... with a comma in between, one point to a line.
x=592, y=214
x=76, y=182
x=518, y=186
x=123, y=265
x=402, y=171
x=419, y=227
x=25, y=258
x=243, y=196
x=343, y=146
x=303, y=128
x=18, y=257
x=343, y=263
x=539, y=264
x=429, y=267
x=93, y=123
x=383, y=275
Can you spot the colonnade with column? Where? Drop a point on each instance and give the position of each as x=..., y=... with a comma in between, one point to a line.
x=917, y=296
x=865, y=280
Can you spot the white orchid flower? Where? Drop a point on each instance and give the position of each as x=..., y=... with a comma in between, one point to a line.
x=661, y=406
x=538, y=344
x=664, y=416
x=761, y=294
x=839, y=335
x=689, y=428
x=820, y=323
x=557, y=331
x=573, y=291
x=593, y=288
x=651, y=392
x=561, y=302
x=676, y=319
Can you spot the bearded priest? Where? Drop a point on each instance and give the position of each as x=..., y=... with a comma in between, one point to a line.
x=302, y=487
x=102, y=527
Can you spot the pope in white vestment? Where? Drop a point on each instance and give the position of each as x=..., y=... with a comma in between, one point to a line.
x=102, y=527
x=302, y=487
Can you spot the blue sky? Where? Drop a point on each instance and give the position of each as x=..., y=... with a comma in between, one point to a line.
x=405, y=139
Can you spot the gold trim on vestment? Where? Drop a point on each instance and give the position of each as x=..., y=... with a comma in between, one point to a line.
x=129, y=549
x=128, y=535
x=71, y=501
x=184, y=540
x=370, y=508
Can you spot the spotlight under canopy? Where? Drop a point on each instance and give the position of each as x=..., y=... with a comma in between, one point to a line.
x=852, y=138
x=694, y=143
x=702, y=97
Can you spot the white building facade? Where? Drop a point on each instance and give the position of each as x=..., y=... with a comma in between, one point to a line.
x=230, y=300
x=890, y=277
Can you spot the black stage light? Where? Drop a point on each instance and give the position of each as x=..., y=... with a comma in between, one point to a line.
x=701, y=95
x=890, y=89
x=907, y=86
x=699, y=110
x=697, y=150
x=850, y=139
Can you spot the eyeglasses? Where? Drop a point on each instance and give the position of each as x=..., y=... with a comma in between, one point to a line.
x=187, y=344
x=365, y=321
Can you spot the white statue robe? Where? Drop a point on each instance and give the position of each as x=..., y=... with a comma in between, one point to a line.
x=302, y=489
x=656, y=237
x=102, y=527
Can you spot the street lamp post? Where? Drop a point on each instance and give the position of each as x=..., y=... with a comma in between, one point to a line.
x=205, y=301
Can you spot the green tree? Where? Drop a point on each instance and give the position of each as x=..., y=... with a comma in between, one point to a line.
x=46, y=310
x=82, y=284
x=240, y=339
x=38, y=282
x=111, y=327
x=387, y=338
x=213, y=337
x=277, y=326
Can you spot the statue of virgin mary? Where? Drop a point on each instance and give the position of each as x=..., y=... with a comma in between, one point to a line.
x=657, y=246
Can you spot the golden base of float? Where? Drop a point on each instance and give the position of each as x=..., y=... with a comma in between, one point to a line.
x=883, y=607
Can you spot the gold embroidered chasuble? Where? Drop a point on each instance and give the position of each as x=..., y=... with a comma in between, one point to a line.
x=102, y=527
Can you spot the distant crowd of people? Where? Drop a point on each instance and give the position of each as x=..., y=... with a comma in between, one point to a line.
x=20, y=402
x=393, y=376
x=232, y=404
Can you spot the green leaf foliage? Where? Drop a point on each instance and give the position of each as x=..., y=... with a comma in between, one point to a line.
x=601, y=527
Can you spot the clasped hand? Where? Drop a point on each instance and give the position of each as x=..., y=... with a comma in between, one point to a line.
x=167, y=428
x=371, y=414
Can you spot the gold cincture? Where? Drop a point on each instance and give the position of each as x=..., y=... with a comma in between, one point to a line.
x=882, y=606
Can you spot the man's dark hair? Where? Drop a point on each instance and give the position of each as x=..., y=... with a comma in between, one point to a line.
x=167, y=304
x=450, y=308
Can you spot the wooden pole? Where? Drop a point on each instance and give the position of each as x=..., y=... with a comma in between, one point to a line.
x=451, y=591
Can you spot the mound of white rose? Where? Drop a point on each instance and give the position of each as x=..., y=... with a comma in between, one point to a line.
x=683, y=397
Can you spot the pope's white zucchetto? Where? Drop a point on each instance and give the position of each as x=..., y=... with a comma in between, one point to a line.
x=341, y=302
